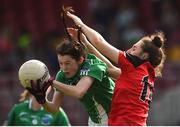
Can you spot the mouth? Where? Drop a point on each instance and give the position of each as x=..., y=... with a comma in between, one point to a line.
x=66, y=73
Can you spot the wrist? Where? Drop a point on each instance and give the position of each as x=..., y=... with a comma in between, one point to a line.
x=41, y=100
x=81, y=25
x=53, y=83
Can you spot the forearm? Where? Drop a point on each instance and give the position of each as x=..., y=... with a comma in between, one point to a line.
x=93, y=36
x=50, y=107
x=113, y=71
x=73, y=91
x=53, y=106
x=100, y=43
x=93, y=50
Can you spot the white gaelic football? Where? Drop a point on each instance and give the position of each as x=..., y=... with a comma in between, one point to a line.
x=33, y=70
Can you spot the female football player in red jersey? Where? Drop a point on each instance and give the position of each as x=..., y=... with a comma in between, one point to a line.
x=140, y=65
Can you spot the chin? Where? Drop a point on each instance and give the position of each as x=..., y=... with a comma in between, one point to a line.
x=68, y=76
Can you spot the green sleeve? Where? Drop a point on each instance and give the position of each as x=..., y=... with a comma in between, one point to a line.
x=11, y=117
x=59, y=76
x=62, y=119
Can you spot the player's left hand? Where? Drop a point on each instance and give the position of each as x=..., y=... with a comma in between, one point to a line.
x=39, y=89
x=74, y=34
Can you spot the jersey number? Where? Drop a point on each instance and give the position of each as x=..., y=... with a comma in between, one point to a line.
x=147, y=90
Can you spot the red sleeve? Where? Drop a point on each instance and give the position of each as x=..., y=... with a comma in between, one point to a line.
x=122, y=58
x=123, y=63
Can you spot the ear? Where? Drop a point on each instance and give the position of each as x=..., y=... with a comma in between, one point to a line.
x=145, y=56
x=81, y=60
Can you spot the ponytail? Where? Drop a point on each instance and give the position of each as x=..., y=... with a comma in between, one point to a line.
x=154, y=46
x=24, y=95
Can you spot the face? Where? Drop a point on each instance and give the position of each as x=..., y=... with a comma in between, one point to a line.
x=68, y=65
x=136, y=49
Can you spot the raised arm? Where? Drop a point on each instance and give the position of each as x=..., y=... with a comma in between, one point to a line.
x=96, y=39
x=113, y=71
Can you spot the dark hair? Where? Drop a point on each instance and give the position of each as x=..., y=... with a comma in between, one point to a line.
x=75, y=50
x=154, y=46
x=71, y=47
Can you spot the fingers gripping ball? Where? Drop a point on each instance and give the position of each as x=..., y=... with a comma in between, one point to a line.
x=39, y=91
x=33, y=70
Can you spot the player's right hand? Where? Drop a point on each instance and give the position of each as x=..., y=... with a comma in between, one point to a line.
x=39, y=89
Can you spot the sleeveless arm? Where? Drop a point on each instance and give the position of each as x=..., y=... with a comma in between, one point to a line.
x=96, y=39
x=113, y=71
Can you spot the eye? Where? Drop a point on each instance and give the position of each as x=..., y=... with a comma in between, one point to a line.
x=60, y=64
x=134, y=47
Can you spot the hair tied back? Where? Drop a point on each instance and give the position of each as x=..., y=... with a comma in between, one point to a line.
x=157, y=41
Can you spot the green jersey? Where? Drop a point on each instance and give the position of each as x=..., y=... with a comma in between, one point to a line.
x=99, y=95
x=22, y=115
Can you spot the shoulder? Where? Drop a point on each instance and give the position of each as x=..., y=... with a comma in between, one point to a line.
x=122, y=58
x=60, y=72
x=21, y=105
x=60, y=75
x=150, y=69
x=62, y=111
x=93, y=61
x=91, y=58
x=93, y=67
x=62, y=114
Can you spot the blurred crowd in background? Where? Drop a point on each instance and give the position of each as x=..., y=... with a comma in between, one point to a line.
x=31, y=29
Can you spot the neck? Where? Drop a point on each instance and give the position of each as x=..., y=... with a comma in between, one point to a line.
x=136, y=61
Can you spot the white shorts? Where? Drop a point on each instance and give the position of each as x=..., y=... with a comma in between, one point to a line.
x=104, y=121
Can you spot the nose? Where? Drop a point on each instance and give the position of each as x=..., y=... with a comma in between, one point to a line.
x=63, y=67
x=129, y=50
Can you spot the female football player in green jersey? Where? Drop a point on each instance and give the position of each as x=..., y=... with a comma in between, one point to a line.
x=30, y=113
x=82, y=75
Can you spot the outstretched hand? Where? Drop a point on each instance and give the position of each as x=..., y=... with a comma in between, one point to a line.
x=39, y=90
x=74, y=34
x=75, y=18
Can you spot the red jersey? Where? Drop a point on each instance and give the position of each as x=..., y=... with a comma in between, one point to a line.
x=132, y=94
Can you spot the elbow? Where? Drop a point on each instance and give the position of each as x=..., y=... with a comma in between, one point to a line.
x=114, y=72
x=80, y=94
x=98, y=39
x=117, y=74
